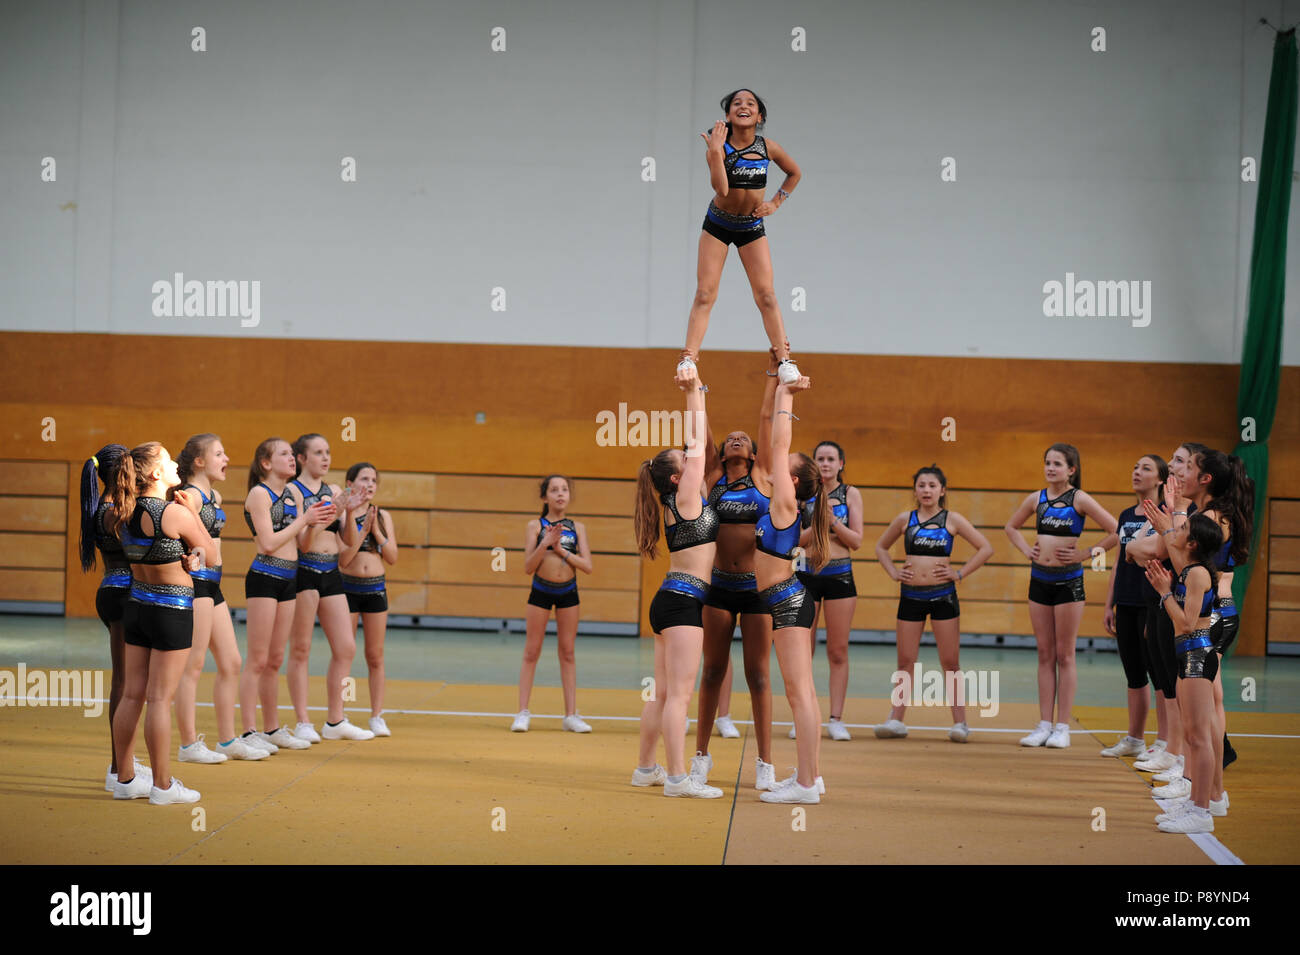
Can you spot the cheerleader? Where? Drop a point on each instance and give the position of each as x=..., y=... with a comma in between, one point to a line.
x=202, y=461
x=320, y=592
x=114, y=586
x=555, y=548
x=833, y=589
x=369, y=543
x=276, y=515
x=158, y=617
x=674, y=483
x=1189, y=603
x=929, y=588
x=734, y=470
x=777, y=535
x=1056, y=583
x=738, y=159
x=1128, y=598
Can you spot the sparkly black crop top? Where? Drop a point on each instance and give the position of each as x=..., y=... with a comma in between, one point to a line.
x=684, y=533
x=156, y=548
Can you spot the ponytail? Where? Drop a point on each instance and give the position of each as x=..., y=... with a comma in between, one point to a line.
x=101, y=466
x=646, y=516
x=1232, y=495
x=808, y=487
x=131, y=480
x=264, y=450
x=653, y=481
x=819, y=550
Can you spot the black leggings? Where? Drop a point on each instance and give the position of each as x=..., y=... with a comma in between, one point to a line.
x=1162, y=662
x=1130, y=637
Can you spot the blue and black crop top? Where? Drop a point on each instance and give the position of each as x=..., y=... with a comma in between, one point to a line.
x=777, y=541
x=568, y=535
x=283, y=511
x=929, y=538
x=324, y=494
x=1180, y=591
x=107, y=543
x=839, y=499
x=156, y=548
x=368, y=543
x=739, y=502
x=1058, y=518
x=211, y=514
x=1223, y=561
x=685, y=533
x=745, y=173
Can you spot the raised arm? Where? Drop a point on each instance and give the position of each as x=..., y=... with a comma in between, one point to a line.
x=534, y=549
x=691, y=483
x=716, y=156
x=763, y=462
x=785, y=505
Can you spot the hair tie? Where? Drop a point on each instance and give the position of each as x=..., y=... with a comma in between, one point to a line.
x=95, y=461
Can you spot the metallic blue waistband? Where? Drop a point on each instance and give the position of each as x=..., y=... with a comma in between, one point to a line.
x=1055, y=575
x=840, y=566
x=318, y=561
x=207, y=573
x=163, y=595
x=363, y=585
x=679, y=583
x=275, y=567
x=732, y=221
x=1194, y=641
x=1226, y=606
x=937, y=592
x=116, y=577
x=550, y=587
x=725, y=580
x=783, y=591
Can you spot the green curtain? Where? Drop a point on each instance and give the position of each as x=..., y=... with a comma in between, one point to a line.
x=1261, y=354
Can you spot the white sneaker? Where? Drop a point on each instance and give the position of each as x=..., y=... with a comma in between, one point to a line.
x=306, y=731
x=1127, y=746
x=1039, y=736
x=379, y=727
x=286, y=740
x=137, y=788
x=764, y=775
x=1180, y=788
x=793, y=792
x=1156, y=764
x=1176, y=810
x=1150, y=752
x=726, y=728
x=576, y=724
x=344, y=730
x=262, y=740
x=1060, y=738
x=198, y=752
x=654, y=776
x=1173, y=772
x=110, y=777
x=174, y=793
x=791, y=734
x=691, y=786
x=520, y=725
x=819, y=784
x=891, y=729
x=1219, y=807
x=787, y=372
x=959, y=733
x=1195, y=819
x=837, y=730
x=239, y=748
x=701, y=763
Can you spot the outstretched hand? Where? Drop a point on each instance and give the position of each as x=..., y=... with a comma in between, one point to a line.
x=716, y=136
